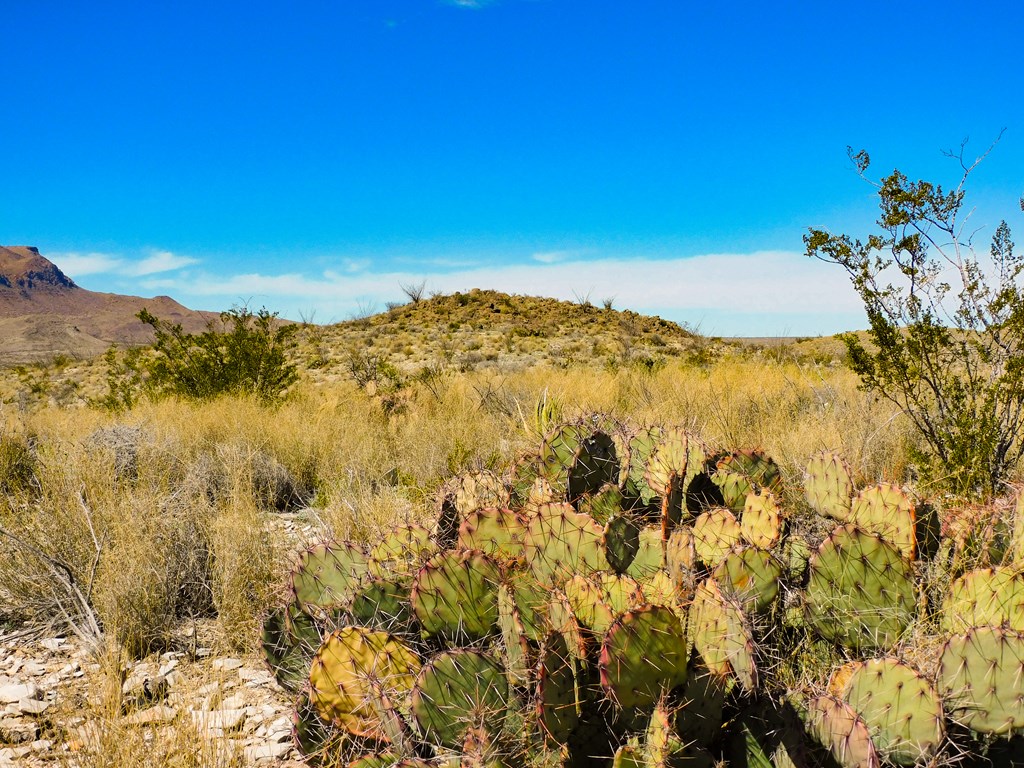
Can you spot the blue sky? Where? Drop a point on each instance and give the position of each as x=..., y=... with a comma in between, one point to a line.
x=311, y=156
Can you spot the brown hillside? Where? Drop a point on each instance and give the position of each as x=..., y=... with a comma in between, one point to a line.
x=43, y=312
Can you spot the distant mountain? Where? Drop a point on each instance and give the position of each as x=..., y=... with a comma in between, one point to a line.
x=43, y=312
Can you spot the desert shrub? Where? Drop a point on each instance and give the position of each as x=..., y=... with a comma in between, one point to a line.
x=246, y=354
x=946, y=326
x=17, y=463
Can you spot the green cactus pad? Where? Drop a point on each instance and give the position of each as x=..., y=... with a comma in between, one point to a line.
x=828, y=485
x=588, y=604
x=663, y=746
x=516, y=649
x=560, y=689
x=681, y=559
x=598, y=600
x=605, y=505
x=750, y=575
x=667, y=463
x=986, y=597
x=557, y=453
x=459, y=691
x=531, y=599
x=561, y=542
x=355, y=674
x=455, y=595
x=901, y=709
x=562, y=619
x=741, y=472
x=328, y=575
x=621, y=541
x=641, y=446
x=383, y=604
x=289, y=639
x=836, y=726
x=496, y=532
x=650, y=556
x=722, y=635
x=981, y=678
x=401, y=552
x=761, y=521
x=595, y=465
x=886, y=510
x=644, y=654
x=715, y=533
x=659, y=590
x=860, y=591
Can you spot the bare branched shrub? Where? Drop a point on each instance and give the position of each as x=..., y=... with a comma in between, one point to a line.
x=415, y=291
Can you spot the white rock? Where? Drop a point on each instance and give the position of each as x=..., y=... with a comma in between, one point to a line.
x=17, y=692
x=153, y=716
x=226, y=664
x=265, y=753
x=52, y=643
x=219, y=720
x=31, y=706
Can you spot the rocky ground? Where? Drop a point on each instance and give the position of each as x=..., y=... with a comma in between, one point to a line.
x=56, y=705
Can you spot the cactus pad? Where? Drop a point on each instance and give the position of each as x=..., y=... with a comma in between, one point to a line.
x=621, y=541
x=886, y=510
x=836, y=726
x=986, y=597
x=715, y=533
x=496, y=532
x=328, y=575
x=353, y=676
x=455, y=595
x=560, y=689
x=561, y=542
x=667, y=463
x=860, y=592
x=750, y=575
x=383, y=604
x=401, y=552
x=722, y=635
x=459, y=691
x=828, y=485
x=901, y=709
x=594, y=465
x=650, y=555
x=289, y=639
x=761, y=521
x=644, y=653
x=981, y=677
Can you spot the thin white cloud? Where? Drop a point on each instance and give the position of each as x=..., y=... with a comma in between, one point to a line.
x=78, y=265
x=552, y=257
x=469, y=3
x=159, y=261
x=763, y=293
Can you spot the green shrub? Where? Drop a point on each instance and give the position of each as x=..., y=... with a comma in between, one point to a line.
x=247, y=354
x=946, y=329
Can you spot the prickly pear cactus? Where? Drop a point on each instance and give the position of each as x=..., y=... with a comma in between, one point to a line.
x=860, y=591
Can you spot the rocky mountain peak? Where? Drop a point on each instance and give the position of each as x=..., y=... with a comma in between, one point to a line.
x=23, y=269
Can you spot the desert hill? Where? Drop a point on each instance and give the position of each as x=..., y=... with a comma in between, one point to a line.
x=43, y=312
x=487, y=328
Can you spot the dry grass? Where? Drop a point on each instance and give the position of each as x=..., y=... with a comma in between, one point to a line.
x=178, y=496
